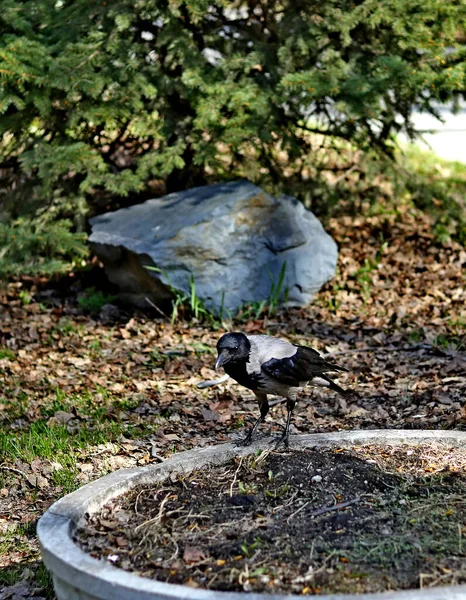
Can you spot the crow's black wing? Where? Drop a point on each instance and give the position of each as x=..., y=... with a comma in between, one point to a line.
x=302, y=366
x=283, y=370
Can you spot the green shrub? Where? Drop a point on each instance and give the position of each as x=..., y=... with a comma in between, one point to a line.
x=105, y=99
x=31, y=247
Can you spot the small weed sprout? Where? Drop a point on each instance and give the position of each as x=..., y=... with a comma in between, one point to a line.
x=276, y=291
x=25, y=297
x=187, y=302
x=254, y=310
x=248, y=549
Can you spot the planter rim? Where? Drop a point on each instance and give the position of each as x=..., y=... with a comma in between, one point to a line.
x=73, y=569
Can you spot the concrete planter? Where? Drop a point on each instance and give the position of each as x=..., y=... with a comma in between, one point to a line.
x=78, y=576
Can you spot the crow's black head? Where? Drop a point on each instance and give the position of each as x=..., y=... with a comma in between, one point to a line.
x=232, y=348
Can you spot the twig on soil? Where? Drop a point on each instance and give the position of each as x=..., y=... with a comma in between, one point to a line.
x=175, y=554
x=149, y=301
x=235, y=476
x=137, y=500
x=165, y=489
x=159, y=516
x=324, y=509
x=423, y=576
x=297, y=511
x=13, y=470
x=212, y=382
x=288, y=503
x=219, y=526
x=211, y=581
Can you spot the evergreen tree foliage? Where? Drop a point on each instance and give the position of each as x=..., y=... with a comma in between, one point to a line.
x=28, y=247
x=103, y=99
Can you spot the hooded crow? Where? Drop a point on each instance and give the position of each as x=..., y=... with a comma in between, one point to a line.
x=268, y=365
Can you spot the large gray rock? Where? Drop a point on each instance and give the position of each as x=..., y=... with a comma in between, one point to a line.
x=231, y=239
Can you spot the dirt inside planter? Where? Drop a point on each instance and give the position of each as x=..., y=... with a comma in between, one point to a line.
x=307, y=522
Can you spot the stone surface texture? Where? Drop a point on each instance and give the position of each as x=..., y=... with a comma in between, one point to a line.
x=78, y=576
x=231, y=239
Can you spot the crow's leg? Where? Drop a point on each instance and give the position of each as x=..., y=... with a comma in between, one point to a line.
x=290, y=404
x=264, y=408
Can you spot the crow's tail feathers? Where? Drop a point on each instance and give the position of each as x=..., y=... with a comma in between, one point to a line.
x=315, y=360
x=335, y=387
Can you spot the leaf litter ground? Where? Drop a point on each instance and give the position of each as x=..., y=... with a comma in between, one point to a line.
x=366, y=520
x=83, y=395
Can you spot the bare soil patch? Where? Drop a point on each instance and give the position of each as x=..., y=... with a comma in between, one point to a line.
x=363, y=520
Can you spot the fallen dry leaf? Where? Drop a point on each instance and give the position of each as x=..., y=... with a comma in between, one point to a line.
x=193, y=555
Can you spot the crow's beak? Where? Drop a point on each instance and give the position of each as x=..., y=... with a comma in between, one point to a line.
x=221, y=360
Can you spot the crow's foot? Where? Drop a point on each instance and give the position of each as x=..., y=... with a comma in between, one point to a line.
x=279, y=441
x=283, y=438
x=247, y=441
